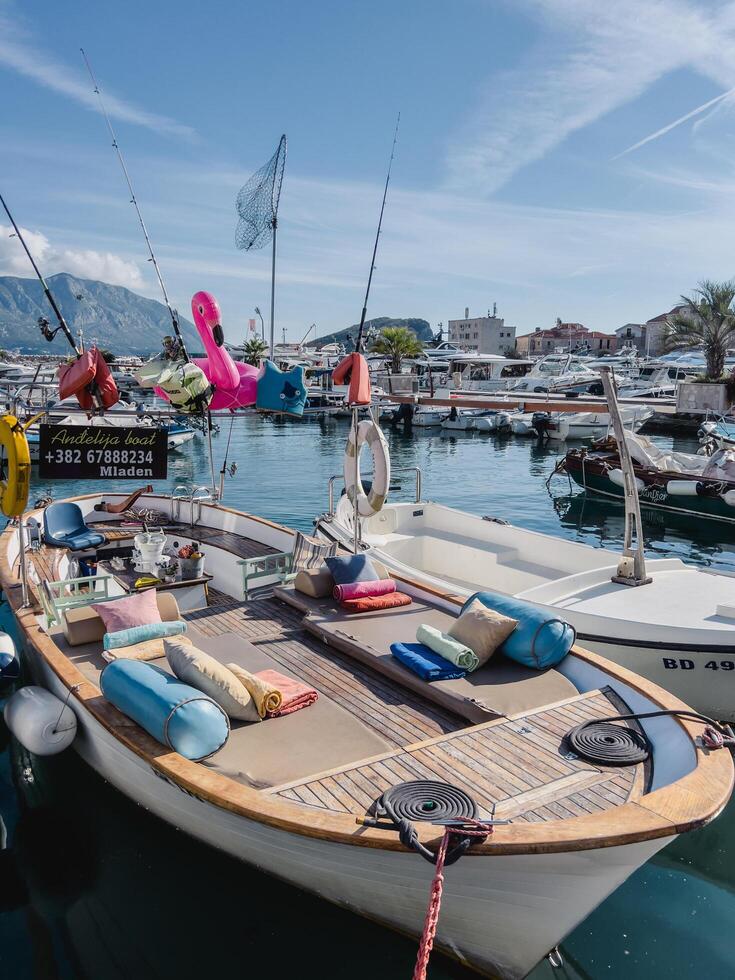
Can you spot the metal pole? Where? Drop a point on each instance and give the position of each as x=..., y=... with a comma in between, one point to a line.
x=211, y=455
x=23, y=569
x=355, y=513
x=273, y=291
x=632, y=567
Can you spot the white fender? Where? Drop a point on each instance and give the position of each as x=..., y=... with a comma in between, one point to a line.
x=9, y=666
x=370, y=503
x=729, y=497
x=682, y=488
x=40, y=721
x=616, y=477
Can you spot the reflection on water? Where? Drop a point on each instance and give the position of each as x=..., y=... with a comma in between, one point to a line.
x=93, y=887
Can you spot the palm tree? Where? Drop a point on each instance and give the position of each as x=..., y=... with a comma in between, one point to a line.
x=254, y=350
x=705, y=320
x=397, y=343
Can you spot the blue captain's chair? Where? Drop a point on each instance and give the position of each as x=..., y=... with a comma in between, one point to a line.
x=64, y=527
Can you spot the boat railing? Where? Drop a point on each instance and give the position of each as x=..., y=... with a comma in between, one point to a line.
x=176, y=498
x=205, y=494
x=416, y=470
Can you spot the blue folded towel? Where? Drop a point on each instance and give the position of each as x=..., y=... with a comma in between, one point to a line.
x=424, y=662
x=138, y=634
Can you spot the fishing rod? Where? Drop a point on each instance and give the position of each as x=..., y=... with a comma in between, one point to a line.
x=358, y=345
x=134, y=202
x=42, y=322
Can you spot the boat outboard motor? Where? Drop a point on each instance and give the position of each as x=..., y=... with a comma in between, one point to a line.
x=404, y=414
x=540, y=422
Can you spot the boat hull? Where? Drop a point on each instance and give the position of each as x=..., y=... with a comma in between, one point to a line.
x=504, y=912
x=653, y=494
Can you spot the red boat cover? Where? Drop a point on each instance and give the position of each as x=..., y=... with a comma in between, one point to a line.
x=353, y=370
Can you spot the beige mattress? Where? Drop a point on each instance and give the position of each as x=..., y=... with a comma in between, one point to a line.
x=501, y=687
x=268, y=753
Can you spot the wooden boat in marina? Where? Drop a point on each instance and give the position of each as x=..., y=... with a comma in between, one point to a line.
x=701, y=486
x=291, y=795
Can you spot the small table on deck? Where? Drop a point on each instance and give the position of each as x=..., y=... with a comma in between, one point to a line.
x=190, y=593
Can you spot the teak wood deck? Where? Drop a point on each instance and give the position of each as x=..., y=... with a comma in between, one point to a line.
x=515, y=768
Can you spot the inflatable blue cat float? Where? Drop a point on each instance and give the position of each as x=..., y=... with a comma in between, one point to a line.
x=281, y=391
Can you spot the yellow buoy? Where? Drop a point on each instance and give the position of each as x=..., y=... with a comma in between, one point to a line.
x=15, y=488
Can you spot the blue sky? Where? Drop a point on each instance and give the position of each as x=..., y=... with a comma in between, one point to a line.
x=517, y=178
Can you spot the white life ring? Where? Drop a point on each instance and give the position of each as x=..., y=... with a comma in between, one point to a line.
x=367, y=503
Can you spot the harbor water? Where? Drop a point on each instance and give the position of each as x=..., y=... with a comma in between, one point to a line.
x=93, y=887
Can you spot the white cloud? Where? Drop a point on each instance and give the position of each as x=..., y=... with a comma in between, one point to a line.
x=86, y=263
x=595, y=57
x=18, y=54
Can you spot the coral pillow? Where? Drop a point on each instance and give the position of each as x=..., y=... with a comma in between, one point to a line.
x=482, y=630
x=139, y=609
x=376, y=602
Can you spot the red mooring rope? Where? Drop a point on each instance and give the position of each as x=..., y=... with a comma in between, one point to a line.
x=426, y=942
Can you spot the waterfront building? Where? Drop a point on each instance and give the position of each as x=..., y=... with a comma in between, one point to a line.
x=567, y=336
x=485, y=334
x=632, y=335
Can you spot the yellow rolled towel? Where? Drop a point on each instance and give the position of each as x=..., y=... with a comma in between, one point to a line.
x=266, y=698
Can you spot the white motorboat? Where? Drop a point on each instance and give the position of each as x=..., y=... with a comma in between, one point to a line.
x=459, y=420
x=492, y=420
x=557, y=372
x=593, y=425
x=678, y=630
x=294, y=795
x=521, y=424
x=426, y=417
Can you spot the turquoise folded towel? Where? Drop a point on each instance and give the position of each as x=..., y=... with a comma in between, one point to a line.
x=446, y=646
x=138, y=634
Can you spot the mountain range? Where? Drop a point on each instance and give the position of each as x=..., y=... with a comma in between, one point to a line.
x=113, y=316
x=348, y=336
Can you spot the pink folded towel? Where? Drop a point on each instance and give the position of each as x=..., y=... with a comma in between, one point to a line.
x=295, y=694
x=364, y=590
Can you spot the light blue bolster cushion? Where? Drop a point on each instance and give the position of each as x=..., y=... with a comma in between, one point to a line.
x=139, y=634
x=540, y=640
x=176, y=714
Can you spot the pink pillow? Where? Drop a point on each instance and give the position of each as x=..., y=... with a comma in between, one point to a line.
x=364, y=590
x=139, y=609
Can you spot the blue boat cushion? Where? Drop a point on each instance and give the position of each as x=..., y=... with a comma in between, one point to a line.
x=281, y=391
x=540, y=640
x=347, y=569
x=139, y=634
x=175, y=713
x=64, y=527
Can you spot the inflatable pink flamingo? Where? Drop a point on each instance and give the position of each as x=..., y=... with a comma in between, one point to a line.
x=235, y=383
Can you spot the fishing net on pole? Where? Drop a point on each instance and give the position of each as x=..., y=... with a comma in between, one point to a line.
x=257, y=202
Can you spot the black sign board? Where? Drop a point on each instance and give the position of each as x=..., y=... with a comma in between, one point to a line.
x=102, y=452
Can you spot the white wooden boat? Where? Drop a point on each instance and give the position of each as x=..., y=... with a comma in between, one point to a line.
x=290, y=795
x=679, y=630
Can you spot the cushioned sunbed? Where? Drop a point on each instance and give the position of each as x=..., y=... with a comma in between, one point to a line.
x=320, y=737
x=501, y=687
